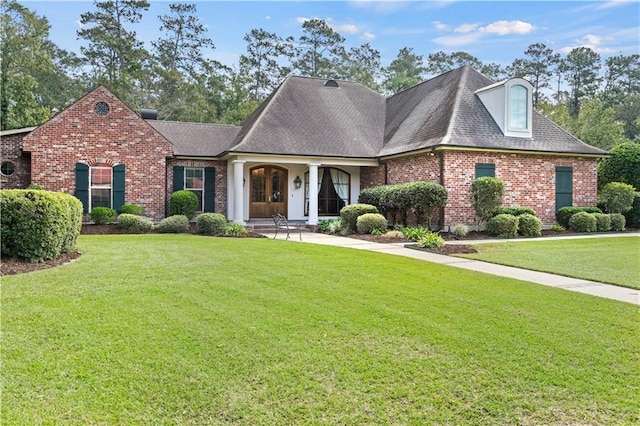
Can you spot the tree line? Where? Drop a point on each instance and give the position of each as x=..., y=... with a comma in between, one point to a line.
x=599, y=103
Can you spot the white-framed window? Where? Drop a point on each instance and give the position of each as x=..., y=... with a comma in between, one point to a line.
x=100, y=186
x=194, y=182
x=518, y=108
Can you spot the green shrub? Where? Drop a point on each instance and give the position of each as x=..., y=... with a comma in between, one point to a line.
x=617, y=222
x=515, y=211
x=103, y=215
x=564, y=214
x=460, y=230
x=486, y=196
x=603, y=222
x=503, y=225
x=415, y=233
x=329, y=226
x=349, y=214
x=132, y=209
x=37, y=225
x=394, y=233
x=622, y=166
x=235, y=229
x=430, y=240
x=370, y=222
x=617, y=197
x=424, y=199
x=582, y=222
x=211, y=224
x=183, y=202
x=133, y=223
x=529, y=225
x=175, y=224
x=633, y=215
x=36, y=187
x=556, y=227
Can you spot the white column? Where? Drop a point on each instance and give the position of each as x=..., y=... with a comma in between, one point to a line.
x=313, y=193
x=238, y=191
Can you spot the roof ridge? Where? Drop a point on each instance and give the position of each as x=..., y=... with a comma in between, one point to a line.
x=456, y=105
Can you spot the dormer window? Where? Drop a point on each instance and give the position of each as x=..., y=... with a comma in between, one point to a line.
x=518, y=108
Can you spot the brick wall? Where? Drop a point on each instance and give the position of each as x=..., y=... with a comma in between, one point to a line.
x=11, y=150
x=221, y=179
x=80, y=135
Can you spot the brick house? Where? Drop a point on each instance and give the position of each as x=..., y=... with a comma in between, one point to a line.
x=310, y=148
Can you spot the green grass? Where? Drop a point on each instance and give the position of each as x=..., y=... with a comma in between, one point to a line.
x=607, y=260
x=182, y=329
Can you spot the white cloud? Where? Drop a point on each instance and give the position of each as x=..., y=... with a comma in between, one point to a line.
x=380, y=7
x=593, y=42
x=466, y=28
x=458, y=40
x=267, y=17
x=345, y=28
x=508, y=27
x=613, y=3
x=302, y=20
x=367, y=36
x=79, y=24
x=440, y=26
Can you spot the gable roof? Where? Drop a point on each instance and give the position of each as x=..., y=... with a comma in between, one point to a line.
x=305, y=116
x=197, y=139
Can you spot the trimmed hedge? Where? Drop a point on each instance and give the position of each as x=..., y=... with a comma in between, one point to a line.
x=370, y=222
x=617, y=197
x=515, y=211
x=633, y=215
x=134, y=223
x=183, y=202
x=176, y=224
x=103, y=215
x=618, y=222
x=564, y=214
x=211, y=224
x=603, y=222
x=503, y=225
x=37, y=225
x=132, y=209
x=582, y=222
x=349, y=214
x=487, y=194
x=529, y=225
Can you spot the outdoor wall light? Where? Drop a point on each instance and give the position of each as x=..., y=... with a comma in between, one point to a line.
x=297, y=182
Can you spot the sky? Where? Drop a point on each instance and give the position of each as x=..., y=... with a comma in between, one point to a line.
x=497, y=31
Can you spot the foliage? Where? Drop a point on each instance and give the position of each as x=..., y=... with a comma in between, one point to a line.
x=103, y=215
x=622, y=166
x=175, y=224
x=515, y=211
x=38, y=225
x=556, y=227
x=319, y=49
x=211, y=223
x=133, y=209
x=36, y=187
x=529, y=225
x=603, y=222
x=618, y=222
x=538, y=69
x=431, y=240
x=582, y=222
x=370, y=222
x=633, y=215
x=183, y=202
x=414, y=233
x=503, y=225
x=349, y=215
x=564, y=214
x=617, y=197
x=596, y=124
x=235, y=229
x=405, y=71
x=394, y=233
x=487, y=194
x=460, y=230
x=580, y=69
x=134, y=223
x=424, y=199
x=329, y=226
x=362, y=64
x=441, y=62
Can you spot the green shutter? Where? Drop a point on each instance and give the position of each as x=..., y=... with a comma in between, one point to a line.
x=485, y=169
x=118, y=187
x=209, y=189
x=178, y=178
x=564, y=187
x=82, y=185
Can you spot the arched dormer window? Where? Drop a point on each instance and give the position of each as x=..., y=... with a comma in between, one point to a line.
x=518, y=114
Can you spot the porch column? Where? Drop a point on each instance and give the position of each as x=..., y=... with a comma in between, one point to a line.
x=238, y=193
x=313, y=193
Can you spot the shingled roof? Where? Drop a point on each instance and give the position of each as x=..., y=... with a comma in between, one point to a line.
x=197, y=139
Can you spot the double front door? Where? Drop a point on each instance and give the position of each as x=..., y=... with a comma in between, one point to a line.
x=268, y=186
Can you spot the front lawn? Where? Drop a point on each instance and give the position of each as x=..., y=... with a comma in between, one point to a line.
x=607, y=260
x=166, y=329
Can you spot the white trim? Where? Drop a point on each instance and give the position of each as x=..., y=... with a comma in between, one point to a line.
x=298, y=159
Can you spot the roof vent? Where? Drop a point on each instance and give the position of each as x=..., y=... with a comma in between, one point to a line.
x=331, y=83
x=149, y=114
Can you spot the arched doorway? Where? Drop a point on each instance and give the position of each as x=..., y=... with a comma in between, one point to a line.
x=268, y=191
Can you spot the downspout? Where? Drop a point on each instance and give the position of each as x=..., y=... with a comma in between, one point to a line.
x=441, y=218
x=386, y=173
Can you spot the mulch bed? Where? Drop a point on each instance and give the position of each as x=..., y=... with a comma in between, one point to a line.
x=14, y=266
x=447, y=249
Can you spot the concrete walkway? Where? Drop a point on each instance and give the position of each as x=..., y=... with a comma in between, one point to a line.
x=574, y=284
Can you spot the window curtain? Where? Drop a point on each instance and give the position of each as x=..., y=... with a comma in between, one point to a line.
x=320, y=176
x=341, y=184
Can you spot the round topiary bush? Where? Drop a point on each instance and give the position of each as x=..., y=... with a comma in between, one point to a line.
x=103, y=215
x=173, y=225
x=136, y=224
x=618, y=222
x=370, y=222
x=503, y=225
x=529, y=225
x=349, y=214
x=37, y=225
x=183, y=202
x=211, y=224
x=564, y=214
x=582, y=222
x=603, y=222
x=132, y=209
